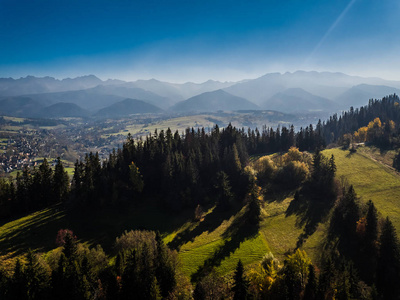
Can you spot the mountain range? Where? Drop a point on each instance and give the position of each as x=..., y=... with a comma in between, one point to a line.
x=297, y=92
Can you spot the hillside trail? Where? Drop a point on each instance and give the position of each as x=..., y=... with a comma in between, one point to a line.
x=367, y=155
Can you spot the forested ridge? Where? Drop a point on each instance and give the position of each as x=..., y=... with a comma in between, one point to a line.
x=226, y=170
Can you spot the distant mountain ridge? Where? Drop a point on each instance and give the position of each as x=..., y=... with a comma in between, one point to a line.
x=63, y=110
x=298, y=100
x=214, y=101
x=20, y=107
x=36, y=85
x=324, y=84
x=293, y=92
x=360, y=94
x=127, y=107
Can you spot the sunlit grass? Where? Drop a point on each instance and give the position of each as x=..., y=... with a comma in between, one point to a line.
x=372, y=180
x=202, y=240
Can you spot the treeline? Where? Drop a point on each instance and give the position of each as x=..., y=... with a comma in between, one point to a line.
x=187, y=170
x=180, y=170
x=387, y=109
x=35, y=188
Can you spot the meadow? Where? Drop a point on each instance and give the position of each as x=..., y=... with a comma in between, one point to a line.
x=372, y=180
x=218, y=239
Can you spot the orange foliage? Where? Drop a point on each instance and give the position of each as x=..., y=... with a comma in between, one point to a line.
x=361, y=226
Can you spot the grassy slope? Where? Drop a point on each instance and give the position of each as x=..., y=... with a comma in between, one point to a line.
x=38, y=230
x=217, y=237
x=371, y=179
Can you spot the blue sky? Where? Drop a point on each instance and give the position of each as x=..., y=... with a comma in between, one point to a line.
x=192, y=40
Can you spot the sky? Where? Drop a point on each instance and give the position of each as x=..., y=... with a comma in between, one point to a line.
x=197, y=40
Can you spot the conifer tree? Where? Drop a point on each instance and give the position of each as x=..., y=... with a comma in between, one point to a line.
x=136, y=178
x=37, y=279
x=130, y=280
x=61, y=182
x=46, y=183
x=388, y=269
x=240, y=285
x=326, y=280
x=18, y=285
x=311, y=287
x=223, y=191
x=371, y=229
x=165, y=272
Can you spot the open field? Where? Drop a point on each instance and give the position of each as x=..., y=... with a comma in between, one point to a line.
x=371, y=179
x=14, y=119
x=237, y=119
x=218, y=242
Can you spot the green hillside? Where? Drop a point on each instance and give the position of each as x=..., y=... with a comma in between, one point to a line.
x=371, y=179
x=218, y=238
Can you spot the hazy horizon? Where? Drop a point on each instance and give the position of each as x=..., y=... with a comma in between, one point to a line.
x=181, y=41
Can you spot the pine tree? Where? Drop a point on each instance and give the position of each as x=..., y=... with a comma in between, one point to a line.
x=326, y=281
x=311, y=287
x=18, y=285
x=240, y=285
x=254, y=207
x=371, y=230
x=148, y=288
x=164, y=271
x=396, y=161
x=37, y=279
x=136, y=178
x=46, y=183
x=130, y=280
x=69, y=248
x=61, y=182
x=388, y=262
x=223, y=191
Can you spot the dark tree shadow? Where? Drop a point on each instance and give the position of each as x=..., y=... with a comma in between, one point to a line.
x=241, y=229
x=311, y=208
x=33, y=233
x=211, y=222
x=277, y=194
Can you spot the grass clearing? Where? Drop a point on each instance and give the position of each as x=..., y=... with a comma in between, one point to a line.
x=14, y=119
x=223, y=245
x=371, y=179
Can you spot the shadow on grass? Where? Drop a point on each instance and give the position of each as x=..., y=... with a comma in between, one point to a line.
x=240, y=230
x=211, y=222
x=310, y=208
x=103, y=226
x=351, y=152
x=39, y=229
x=38, y=232
x=277, y=194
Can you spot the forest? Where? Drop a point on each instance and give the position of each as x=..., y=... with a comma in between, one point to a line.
x=225, y=170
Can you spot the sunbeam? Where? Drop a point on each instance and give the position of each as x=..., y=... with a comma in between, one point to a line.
x=328, y=32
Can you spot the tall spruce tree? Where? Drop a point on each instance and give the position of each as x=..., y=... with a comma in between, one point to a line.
x=60, y=182
x=388, y=270
x=240, y=285
x=164, y=270
x=311, y=286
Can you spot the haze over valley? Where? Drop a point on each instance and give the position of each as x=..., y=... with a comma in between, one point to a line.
x=297, y=93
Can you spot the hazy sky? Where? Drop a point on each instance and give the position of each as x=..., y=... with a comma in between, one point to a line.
x=196, y=40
